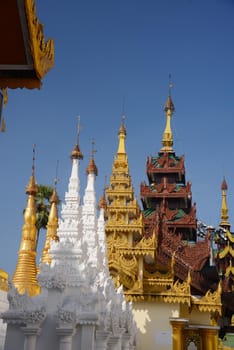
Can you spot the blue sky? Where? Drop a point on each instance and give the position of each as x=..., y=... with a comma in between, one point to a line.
x=109, y=50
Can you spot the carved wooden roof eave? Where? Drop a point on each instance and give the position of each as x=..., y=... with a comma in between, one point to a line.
x=166, y=167
x=151, y=169
x=39, y=53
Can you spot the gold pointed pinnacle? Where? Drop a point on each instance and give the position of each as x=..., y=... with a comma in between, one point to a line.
x=167, y=140
x=25, y=276
x=122, y=135
x=169, y=104
x=224, y=209
x=122, y=129
x=32, y=187
x=76, y=152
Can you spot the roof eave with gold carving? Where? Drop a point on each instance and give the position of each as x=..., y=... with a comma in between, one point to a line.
x=26, y=55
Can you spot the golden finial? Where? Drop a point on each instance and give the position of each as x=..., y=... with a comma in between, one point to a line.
x=76, y=153
x=122, y=135
x=32, y=187
x=122, y=129
x=169, y=108
x=92, y=168
x=25, y=276
x=224, y=209
x=52, y=226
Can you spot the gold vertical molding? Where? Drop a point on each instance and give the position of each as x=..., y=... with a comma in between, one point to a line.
x=209, y=337
x=178, y=325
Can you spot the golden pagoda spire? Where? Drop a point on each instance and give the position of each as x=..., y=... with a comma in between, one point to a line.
x=92, y=168
x=224, y=209
x=169, y=108
x=76, y=152
x=122, y=136
x=52, y=225
x=25, y=276
x=123, y=221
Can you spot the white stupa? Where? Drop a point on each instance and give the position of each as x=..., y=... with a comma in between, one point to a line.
x=78, y=307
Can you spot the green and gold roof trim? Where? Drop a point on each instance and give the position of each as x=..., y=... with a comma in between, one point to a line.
x=178, y=214
x=158, y=161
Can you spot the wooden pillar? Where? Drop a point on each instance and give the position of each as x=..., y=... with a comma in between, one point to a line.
x=178, y=325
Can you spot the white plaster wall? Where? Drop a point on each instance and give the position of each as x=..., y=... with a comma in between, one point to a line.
x=154, y=329
x=3, y=307
x=194, y=316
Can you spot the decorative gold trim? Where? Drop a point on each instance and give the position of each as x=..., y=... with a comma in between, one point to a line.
x=180, y=292
x=211, y=302
x=229, y=270
x=227, y=250
x=42, y=51
x=229, y=236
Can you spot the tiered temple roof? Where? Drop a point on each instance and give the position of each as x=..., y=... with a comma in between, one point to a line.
x=155, y=255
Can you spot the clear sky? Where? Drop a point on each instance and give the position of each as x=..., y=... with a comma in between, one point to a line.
x=107, y=51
